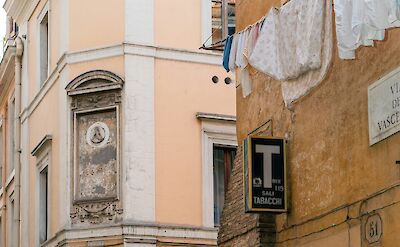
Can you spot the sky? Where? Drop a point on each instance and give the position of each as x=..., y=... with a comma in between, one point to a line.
x=2, y=26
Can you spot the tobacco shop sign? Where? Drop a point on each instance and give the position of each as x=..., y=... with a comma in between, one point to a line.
x=265, y=174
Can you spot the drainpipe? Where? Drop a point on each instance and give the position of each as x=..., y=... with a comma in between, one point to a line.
x=224, y=18
x=17, y=154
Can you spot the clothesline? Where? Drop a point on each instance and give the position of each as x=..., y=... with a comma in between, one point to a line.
x=259, y=21
x=294, y=44
x=203, y=46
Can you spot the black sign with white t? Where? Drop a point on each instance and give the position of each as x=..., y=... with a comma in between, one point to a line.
x=265, y=174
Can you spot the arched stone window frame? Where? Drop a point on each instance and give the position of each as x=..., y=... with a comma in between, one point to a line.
x=92, y=94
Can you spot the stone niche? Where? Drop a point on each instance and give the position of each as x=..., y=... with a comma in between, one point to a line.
x=95, y=147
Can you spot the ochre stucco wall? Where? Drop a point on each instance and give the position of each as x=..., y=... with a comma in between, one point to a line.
x=330, y=163
x=182, y=90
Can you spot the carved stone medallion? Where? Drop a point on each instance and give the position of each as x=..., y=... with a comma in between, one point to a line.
x=98, y=134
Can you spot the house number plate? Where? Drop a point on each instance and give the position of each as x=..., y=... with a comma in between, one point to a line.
x=373, y=228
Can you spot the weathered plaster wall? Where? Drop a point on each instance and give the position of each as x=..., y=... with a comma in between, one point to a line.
x=330, y=162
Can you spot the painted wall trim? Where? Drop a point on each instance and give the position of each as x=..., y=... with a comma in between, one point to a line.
x=20, y=10
x=114, y=51
x=139, y=21
x=213, y=132
x=145, y=232
x=206, y=22
x=46, y=139
x=7, y=66
x=9, y=179
x=214, y=116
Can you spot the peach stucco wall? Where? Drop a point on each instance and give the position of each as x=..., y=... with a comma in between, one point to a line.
x=95, y=23
x=113, y=64
x=4, y=160
x=45, y=121
x=55, y=13
x=178, y=23
x=182, y=90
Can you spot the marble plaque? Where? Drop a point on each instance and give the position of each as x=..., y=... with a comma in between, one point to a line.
x=384, y=107
x=96, y=155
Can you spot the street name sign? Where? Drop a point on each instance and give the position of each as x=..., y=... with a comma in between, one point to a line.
x=384, y=107
x=265, y=174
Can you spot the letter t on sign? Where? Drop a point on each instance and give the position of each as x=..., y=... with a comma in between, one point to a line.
x=267, y=152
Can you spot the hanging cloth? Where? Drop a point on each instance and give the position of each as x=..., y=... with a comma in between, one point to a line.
x=294, y=89
x=232, y=57
x=227, y=50
x=242, y=63
x=290, y=40
x=265, y=53
x=360, y=22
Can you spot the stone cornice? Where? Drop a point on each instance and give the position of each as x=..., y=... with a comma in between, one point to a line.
x=124, y=49
x=20, y=10
x=7, y=67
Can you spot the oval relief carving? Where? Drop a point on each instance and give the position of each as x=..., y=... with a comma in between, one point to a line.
x=98, y=134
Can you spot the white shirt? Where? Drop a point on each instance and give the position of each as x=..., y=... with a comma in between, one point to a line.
x=360, y=22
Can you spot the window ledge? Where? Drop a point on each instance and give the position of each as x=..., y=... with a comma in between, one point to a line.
x=213, y=116
x=10, y=178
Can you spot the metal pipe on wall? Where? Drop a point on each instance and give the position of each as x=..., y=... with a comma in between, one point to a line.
x=224, y=18
x=17, y=153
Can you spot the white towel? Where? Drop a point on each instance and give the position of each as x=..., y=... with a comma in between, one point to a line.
x=290, y=41
x=294, y=89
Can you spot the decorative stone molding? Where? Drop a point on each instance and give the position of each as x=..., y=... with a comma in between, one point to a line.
x=95, y=113
x=95, y=213
x=94, y=81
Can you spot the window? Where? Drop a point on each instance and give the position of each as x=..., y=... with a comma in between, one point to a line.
x=42, y=152
x=219, y=29
x=43, y=205
x=11, y=135
x=44, y=48
x=223, y=157
x=219, y=149
x=12, y=28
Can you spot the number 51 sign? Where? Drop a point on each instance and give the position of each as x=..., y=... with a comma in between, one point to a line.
x=265, y=174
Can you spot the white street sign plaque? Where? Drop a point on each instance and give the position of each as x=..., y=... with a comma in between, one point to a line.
x=384, y=107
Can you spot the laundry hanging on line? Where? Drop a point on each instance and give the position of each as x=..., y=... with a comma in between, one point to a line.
x=284, y=44
x=288, y=43
x=361, y=22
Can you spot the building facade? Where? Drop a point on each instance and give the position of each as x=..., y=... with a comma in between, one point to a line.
x=342, y=180
x=112, y=131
